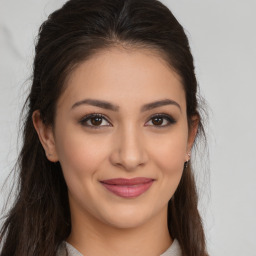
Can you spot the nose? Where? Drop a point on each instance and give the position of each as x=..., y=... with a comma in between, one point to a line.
x=129, y=151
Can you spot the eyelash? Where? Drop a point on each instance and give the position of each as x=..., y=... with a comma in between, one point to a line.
x=89, y=117
x=166, y=117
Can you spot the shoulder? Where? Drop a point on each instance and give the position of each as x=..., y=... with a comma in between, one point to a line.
x=66, y=249
x=173, y=250
x=62, y=250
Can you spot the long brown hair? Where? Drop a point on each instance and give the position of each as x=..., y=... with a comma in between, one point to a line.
x=40, y=217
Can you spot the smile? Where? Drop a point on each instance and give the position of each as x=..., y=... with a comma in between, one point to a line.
x=128, y=188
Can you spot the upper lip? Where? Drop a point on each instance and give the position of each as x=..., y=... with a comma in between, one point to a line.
x=124, y=181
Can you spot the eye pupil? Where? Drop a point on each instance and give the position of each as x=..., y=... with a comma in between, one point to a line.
x=96, y=120
x=157, y=120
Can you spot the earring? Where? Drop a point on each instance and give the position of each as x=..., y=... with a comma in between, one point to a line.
x=186, y=163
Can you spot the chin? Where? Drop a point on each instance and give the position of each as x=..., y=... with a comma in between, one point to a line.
x=126, y=219
x=125, y=223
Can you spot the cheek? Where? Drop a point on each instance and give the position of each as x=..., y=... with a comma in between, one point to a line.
x=170, y=151
x=169, y=158
x=79, y=155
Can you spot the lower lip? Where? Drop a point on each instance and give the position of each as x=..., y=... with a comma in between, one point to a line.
x=128, y=191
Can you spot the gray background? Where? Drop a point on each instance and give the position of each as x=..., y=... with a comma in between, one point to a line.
x=222, y=35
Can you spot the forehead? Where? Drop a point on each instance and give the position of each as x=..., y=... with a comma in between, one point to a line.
x=122, y=75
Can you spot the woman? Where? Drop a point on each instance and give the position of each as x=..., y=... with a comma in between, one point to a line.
x=112, y=117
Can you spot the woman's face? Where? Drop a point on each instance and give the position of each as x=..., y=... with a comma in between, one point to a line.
x=122, y=116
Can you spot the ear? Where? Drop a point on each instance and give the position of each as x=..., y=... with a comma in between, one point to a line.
x=192, y=134
x=46, y=136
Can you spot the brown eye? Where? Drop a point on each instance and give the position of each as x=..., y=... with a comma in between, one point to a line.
x=95, y=121
x=157, y=120
x=161, y=120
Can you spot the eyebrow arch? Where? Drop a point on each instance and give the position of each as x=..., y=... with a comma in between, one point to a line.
x=110, y=106
x=97, y=103
x=159, y=103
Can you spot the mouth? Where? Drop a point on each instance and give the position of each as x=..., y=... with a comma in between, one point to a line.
x=128, y=188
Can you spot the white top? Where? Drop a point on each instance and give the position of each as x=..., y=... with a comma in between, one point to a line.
x=67, y=249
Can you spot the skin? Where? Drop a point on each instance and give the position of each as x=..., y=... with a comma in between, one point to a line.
x=126, y=144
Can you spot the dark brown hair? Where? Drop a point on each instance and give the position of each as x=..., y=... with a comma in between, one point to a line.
x=40, y=217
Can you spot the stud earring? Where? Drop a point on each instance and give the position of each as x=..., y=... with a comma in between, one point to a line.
x=186, y=163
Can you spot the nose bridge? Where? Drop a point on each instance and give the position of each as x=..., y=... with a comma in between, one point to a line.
x=130, y=150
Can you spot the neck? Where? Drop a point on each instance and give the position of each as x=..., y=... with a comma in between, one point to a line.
x=92, y=237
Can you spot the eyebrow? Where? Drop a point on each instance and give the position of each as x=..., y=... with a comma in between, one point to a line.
x=96, y=103
x=159, y=103
x=107, y=105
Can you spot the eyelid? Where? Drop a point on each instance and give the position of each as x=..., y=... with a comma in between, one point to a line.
x=168, y=117
x=92, y=115
x=165, y=116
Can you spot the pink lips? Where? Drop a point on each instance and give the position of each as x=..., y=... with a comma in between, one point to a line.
x=128, y=188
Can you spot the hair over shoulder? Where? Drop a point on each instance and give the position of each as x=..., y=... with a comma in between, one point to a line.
x=39, y=220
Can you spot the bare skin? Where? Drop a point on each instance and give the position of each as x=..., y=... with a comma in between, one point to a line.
x=130, y=139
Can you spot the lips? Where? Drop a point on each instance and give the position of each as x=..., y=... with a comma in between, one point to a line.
x=128, y=188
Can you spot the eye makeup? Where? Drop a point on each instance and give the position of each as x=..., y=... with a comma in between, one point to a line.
x=94, y=121
x=98, y=120
x=161, y=120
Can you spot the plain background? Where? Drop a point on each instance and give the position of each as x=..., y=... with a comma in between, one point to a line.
x=222, y=35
